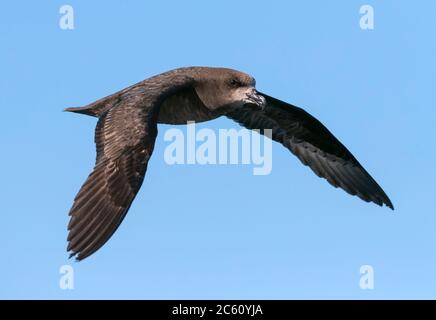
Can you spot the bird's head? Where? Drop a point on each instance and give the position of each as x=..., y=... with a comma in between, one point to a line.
x=221, y=88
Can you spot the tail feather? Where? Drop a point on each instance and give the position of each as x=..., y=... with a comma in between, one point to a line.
x=83, y=110
x=99, y=107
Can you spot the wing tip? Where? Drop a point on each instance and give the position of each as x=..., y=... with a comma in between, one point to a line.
x=72, y=255
x=389, y=204
x=76, y=255
x=384, y=201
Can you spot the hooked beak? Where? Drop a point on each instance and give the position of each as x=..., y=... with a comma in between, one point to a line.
x=254, y=97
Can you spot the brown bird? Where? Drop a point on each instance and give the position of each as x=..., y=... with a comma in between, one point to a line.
x=127, y=128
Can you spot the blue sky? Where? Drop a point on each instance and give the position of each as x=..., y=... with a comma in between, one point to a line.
x=202, y=232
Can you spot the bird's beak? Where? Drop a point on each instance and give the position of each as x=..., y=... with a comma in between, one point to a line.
x=256, y=98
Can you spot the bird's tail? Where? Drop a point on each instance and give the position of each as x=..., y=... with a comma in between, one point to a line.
x=83, y=110
x=97, y=108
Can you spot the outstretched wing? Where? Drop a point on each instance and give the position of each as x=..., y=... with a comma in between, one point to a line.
x=314, y=145
x=125, y=138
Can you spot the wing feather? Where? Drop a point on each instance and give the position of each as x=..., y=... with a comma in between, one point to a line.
x=123, y=152
x=314, y=145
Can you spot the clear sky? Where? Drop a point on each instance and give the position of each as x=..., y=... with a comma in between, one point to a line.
x=218, y=231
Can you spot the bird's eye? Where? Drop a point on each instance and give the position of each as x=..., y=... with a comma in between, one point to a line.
x=235, y=83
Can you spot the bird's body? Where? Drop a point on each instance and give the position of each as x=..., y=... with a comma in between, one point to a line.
x=127, y=128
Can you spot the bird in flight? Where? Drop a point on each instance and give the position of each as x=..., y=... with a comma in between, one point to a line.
x=127, y=128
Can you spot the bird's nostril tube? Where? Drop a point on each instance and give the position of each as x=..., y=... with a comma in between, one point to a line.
x=256, y=98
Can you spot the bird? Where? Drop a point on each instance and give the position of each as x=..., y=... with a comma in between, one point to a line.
x=126, y=131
